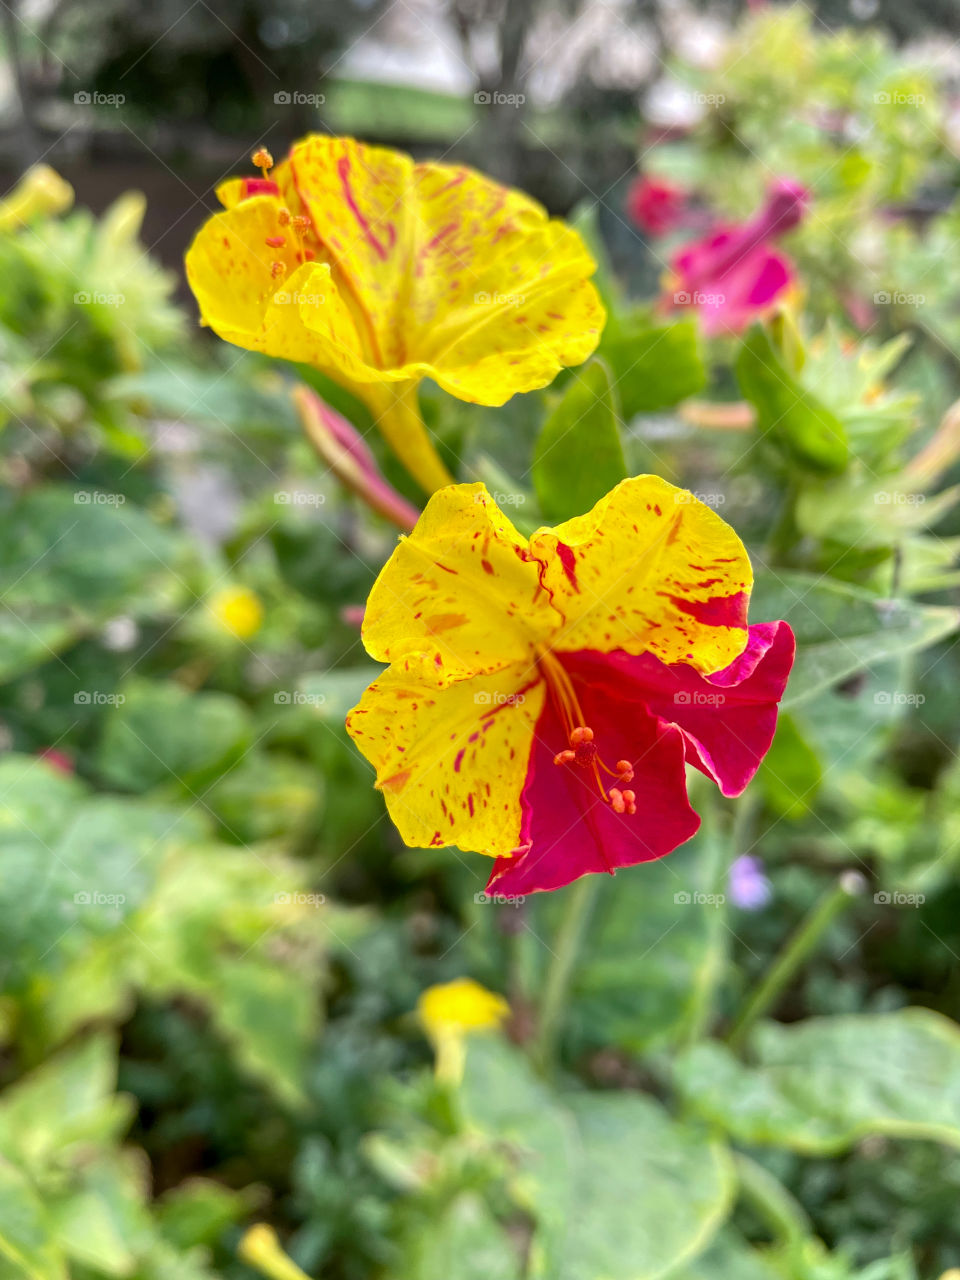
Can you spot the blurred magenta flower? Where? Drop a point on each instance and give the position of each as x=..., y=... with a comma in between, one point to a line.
x=656, y=206
x=732, y=275
x=749, y=887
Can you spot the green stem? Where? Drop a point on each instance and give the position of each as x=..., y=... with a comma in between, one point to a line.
x=798, y=947
x=713, y=866
x=579, y=904
x=771, y=1201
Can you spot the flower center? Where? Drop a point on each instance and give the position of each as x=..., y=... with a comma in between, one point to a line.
x=583, y=752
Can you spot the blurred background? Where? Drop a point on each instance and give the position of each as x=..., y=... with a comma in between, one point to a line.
x=212, y=942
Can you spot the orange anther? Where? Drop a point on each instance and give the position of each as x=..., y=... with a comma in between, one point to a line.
x=582, y=733
x=617, y=803
x=277, y=269
x=263, y=160
x=565, y=757
x=283, y=217
x=276, y=242
x=630, y=800
x=299, y=222
x=625, y=770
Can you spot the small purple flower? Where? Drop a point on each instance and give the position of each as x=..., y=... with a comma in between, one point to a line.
x=749, y=887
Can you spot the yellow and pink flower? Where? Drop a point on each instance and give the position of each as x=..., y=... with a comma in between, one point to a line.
x=545, y=694
x=379, y=272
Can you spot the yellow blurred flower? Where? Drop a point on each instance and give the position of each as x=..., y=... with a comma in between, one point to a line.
x=260, y=1248
x=449, y=1012
x=237, y=610
x=380, y=272
x=41, y=192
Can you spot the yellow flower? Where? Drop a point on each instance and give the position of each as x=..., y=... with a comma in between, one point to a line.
x=260, y=1248
x=40, y=193
x=237, y=610
x=449, y=1012
x=380, y=272
x=544, y=694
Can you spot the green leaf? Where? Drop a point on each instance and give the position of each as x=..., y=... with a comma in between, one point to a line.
x=654, y=366
x=843, y=629
x=728, y=1258
x=462, y=1239
x=821, y=1085
x=582, y=1157
x=791, y=773
x=28, y=1250
x=644, y=953
x=162, y=733
x=74, y=558
x=809, y=434
x=578, y=457
x=65, y=1103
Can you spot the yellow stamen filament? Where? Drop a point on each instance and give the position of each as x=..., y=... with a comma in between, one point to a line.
x=582, y=750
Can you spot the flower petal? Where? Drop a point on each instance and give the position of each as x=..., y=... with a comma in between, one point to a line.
x=568, y=830
x=650, y=568
x=462, y=586
x=727, y=719
x=230, y=269
x=458, y=278
x=451, y=759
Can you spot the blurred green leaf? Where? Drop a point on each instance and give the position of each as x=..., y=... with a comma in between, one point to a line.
x=461, y=1239
x=791, y=773
x=163, y=733
x=74, y=558
x=842, y=629
x=820, y=1085
x=654, y=366
x=807, y=432
x=582, y=1156
x=578, y=456
x=28, y=1250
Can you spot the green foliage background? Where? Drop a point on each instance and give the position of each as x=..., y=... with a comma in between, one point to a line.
x=211, y=940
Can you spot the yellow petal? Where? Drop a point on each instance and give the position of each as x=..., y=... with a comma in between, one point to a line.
x=357, y=198
x=461, y=1005
x=453, y=276
x=451, y=759
x=461, y=586
x=649, y=568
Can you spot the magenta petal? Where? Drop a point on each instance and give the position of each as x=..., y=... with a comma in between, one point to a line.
x=570, y=830
x=728, y=719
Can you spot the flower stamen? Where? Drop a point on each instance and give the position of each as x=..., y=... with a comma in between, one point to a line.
x=263, y=161
x=583, y=750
